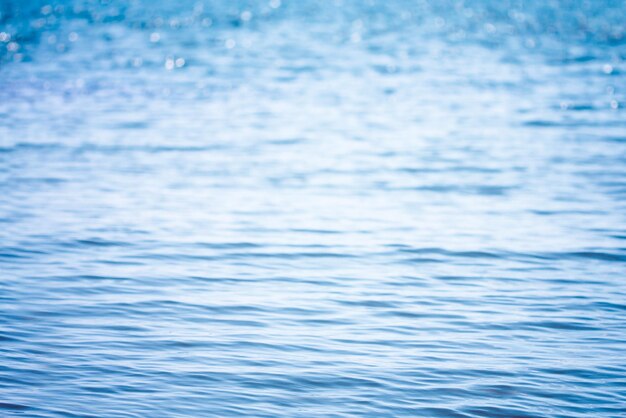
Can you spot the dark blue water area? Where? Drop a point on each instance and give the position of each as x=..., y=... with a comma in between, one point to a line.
x=312, y=208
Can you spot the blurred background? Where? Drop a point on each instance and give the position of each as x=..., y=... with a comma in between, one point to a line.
x=312, y=208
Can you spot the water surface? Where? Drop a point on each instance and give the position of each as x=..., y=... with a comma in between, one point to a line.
x=299, y=209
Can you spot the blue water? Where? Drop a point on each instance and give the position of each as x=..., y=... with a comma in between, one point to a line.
x=312, y=209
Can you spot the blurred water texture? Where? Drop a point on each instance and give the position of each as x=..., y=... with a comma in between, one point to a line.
x=312, y=208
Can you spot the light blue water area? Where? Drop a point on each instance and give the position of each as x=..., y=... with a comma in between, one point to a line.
x=312, y=208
